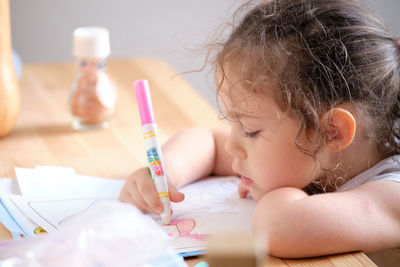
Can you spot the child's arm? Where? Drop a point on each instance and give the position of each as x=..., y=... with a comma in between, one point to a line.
x=188, y=156
x=196, y=153
x=298, y=225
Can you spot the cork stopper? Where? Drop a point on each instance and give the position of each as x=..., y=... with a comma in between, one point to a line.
x=91, y=42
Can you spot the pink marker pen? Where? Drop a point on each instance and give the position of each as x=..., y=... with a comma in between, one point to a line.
x=152, y=145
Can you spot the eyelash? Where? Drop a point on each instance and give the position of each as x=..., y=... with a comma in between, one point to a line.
x=251, y=134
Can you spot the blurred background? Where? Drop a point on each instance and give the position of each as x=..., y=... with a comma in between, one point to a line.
x=175, y=31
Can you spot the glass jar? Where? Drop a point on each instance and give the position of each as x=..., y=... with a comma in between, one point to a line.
x=93, y=94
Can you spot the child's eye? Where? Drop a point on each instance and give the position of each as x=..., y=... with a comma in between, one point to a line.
x=251, y=134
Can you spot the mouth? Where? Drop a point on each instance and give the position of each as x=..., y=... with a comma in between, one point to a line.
x=246, y=180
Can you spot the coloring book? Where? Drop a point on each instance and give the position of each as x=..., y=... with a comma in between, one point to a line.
x=211, y=206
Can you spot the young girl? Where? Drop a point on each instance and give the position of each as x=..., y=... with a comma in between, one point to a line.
x=311, y=89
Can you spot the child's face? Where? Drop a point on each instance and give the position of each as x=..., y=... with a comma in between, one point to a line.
x=262, y=143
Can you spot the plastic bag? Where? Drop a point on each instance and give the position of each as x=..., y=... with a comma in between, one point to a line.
x=108, y=234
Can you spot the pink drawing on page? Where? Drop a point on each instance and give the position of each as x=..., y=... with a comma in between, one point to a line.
x=185, y=227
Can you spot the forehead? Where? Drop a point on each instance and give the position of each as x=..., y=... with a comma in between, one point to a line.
x=238, y=101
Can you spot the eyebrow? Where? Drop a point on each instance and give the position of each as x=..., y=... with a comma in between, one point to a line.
x=238, y=114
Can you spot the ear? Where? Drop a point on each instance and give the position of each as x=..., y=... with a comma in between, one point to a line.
x=340, y=127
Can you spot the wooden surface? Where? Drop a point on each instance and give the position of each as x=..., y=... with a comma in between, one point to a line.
x=43, y=135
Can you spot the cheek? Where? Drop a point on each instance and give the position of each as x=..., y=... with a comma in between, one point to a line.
x=302, y=169
x=287, y=166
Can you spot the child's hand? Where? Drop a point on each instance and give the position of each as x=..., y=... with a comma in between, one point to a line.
x=140, y=191
x=254, y=191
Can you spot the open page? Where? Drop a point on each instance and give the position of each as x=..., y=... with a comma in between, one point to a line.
x=211, y=206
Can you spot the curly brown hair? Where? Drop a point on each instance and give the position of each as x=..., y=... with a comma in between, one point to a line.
x=320, y=53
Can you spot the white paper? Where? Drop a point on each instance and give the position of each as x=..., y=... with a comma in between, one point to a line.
x=63, y=183
x=52, y=214
x=9, y=186
x=211, y=206
x=216, y=198
x=25, y=223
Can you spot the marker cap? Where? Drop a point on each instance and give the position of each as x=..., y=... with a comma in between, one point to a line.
x=144, y=101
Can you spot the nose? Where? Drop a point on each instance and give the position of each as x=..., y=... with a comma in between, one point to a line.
x=234, y=147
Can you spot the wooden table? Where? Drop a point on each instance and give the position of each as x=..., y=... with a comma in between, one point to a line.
x=43, y=135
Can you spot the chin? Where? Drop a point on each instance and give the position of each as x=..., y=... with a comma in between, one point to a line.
x=257, y=193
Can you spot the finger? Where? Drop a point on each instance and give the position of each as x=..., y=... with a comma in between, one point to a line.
x=142, y=208
x=130, y=194
x=148, y=191
x=174, y=194
x=243, y=190
x=139, y=200
x=126, y=197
